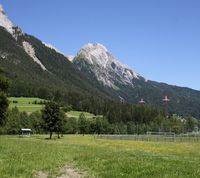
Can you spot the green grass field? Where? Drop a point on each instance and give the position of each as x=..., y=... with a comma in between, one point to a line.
x=77, y=114
x=25, y=104
x=22, y=157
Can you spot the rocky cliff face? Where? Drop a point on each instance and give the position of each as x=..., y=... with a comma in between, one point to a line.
x=104, y=66
x=5, y=21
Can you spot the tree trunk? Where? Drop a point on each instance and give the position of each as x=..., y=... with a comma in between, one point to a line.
x=50, y=135
x=58, y=135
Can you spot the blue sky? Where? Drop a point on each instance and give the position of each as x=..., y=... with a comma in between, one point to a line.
x=160, y=39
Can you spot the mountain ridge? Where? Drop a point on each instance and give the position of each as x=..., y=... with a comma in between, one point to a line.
x=36, y=68
x=90, y=62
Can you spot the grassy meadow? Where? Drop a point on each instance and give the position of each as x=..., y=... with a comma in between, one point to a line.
x=23, y=157
x=25, y=104
x=77, y=114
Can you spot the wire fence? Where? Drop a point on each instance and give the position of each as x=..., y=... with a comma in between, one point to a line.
x=154, y=138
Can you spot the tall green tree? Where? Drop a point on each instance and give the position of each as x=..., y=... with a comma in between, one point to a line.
x=82, y=124
x=191, y=123
x=53, y=118
x=60, y=127
x=4, y=84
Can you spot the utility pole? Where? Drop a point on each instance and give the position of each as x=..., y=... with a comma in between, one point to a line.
x=165, y=101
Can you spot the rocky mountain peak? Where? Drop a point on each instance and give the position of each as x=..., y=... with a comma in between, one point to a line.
x=5, y=21
x=95, y=54
x=1, y=9
x=105, y=66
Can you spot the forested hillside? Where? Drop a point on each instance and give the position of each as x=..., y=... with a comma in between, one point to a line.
x=28, y=78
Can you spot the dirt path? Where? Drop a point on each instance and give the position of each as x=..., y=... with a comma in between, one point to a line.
x=40, y=174
x=65, y=172
x=69, y=172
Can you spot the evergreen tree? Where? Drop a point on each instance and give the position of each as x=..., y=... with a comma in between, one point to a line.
x=36, y=122
x=71, y=125
x=13, y=124
x=3, y=97
x=191, y=123
x=82, y=124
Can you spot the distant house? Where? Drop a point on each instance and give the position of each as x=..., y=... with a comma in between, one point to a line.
x=26, y=132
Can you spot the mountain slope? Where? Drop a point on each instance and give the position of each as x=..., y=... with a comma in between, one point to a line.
x=127, y=85
x=45, y=68
x=32, y=65
x=36, y=68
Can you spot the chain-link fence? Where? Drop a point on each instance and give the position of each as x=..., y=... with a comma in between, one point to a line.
x=154, y=137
